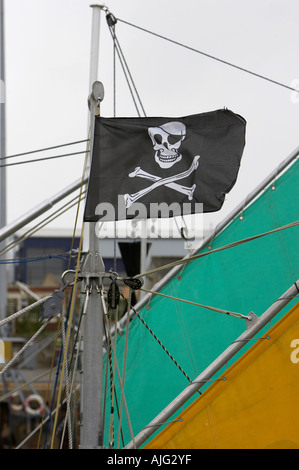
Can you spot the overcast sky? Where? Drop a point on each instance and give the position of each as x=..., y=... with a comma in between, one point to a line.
x=47, y=59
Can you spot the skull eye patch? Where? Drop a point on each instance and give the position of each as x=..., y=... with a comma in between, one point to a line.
x=171, y=139
x=174, y=139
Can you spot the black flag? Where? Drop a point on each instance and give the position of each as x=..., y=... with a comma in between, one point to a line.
x=140, y=165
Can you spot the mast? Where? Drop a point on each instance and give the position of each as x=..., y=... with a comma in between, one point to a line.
x=91, y=434
x=3, y=278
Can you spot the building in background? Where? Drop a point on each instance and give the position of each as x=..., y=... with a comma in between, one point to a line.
x=44, y=257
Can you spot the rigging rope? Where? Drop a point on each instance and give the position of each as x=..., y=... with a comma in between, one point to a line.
x=48, y=389
x=68, y=334
x=162, y=346
x=43, y=159
x=43, y=223
x=73, y=297
x=215, y=309
x=18, y=354
x=124, y=66
x=56, y=380
x=78, y=331
x=225, y=247
x=112, y=380
x=72, y=392
x=31, y=260
x=108, y=333
x=42, y=150
x=67, y=385
x=124, y=365
x=24, y=310
x=112, y=30
x=242, y=69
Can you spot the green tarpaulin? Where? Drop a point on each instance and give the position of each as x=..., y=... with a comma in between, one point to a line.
x=246, y=278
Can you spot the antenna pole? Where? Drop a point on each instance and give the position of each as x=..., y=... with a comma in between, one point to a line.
x=91, y=434
x=3, y=277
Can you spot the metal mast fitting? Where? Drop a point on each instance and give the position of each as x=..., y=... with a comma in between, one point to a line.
x=96, y=96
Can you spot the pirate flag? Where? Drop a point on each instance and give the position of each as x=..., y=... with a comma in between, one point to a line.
x=162, y=167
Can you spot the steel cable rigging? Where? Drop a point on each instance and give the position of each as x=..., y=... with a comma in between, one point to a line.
x=242, y=69
x=44, y=149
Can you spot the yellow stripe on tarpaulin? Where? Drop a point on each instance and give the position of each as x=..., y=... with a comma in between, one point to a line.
x=256, y=407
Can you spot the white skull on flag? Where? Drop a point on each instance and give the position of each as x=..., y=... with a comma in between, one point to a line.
x=166, y=141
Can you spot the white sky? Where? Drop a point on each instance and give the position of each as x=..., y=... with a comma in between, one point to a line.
x=47, y=54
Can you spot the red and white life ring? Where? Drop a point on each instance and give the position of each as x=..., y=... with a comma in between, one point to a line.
x=28, y=403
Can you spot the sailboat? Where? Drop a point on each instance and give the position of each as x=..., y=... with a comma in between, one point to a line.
x=206, y=355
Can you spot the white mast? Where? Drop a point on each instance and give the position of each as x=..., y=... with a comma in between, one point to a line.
x=91, y=435
x=3, y=278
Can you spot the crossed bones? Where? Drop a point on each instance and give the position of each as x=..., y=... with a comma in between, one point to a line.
x=169, y=182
